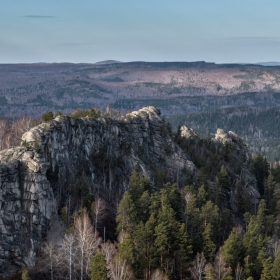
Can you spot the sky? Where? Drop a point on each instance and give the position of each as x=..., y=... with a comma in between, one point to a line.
x=88, y=31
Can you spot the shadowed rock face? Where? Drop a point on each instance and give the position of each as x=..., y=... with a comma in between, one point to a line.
x=27, y=204
x=108, y=151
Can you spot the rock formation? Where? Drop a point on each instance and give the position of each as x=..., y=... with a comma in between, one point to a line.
x=107, y=150
x=231, y=137
x=188, y=132
x=27, y=204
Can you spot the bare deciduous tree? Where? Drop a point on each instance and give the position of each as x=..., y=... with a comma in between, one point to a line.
x=158, y=275
x=67, y=257
x=221, y=268
x=198, y=268
x=98, y=209
x=87, y=242
x=119, y=269
x=11, y=132
x=239, y=272
x=109, y=251
x=50, y=259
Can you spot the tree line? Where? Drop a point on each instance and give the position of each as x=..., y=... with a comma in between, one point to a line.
x=259, y=126
x=171, y=233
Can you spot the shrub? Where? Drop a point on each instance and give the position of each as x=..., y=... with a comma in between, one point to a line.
x=47, y=117
x=91, y=114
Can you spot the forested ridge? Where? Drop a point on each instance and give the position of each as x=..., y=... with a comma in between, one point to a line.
x=223, y=224
x=259, y=126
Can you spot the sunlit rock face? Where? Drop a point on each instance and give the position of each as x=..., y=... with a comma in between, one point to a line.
x=188, y=132
x=230, y=137
x=106, y=150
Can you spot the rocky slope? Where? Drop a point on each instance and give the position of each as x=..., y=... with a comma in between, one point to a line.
x=108, y=151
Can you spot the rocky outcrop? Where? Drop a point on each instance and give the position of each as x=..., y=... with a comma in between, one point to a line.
x=27, y=204
x=241, y=148
x=188, y=132
x=230, y=137
x=106, y=150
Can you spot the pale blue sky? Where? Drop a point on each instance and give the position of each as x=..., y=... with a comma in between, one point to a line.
x=148, y=30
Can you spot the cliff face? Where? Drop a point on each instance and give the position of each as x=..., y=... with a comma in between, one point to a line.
x=27, y=205
x=106, y=150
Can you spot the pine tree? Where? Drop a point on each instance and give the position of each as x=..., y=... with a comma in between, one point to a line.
x=222, y=187
x=201, y=196
x=184, y=252
x=209, y=246
x=254, y=242
x=126, y=213
x=25, y=275
x=162, y=245
x=238, y=198
x=267, y=272
x=269, y=190
x=261, y=216
x=259, y=167
x=126, y=250
x=99, y=267
x=232, y=249
x=276, y=266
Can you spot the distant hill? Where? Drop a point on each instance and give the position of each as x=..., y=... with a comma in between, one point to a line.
x=174, y=87
x=108, y=62
x=272, y=63
x=260, y=127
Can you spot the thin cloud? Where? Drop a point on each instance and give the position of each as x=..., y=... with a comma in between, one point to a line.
x=38, y=16
x=75, y=44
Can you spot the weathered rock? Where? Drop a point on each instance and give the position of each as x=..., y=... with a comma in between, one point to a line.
x=26, y=206
x=231, y=137
x=107, y=150
x=188, y=132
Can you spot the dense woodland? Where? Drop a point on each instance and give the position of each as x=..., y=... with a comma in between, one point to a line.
x=223, y=224
x=215, y=227
x=259, y=126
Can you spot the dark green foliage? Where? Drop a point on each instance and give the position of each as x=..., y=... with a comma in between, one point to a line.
x=162, y=227
x=276, y=266
x=25, y=275
x=222, y=188
x=156, y=235
x=259, y=126
x=232, y=249
x=259, y=167
x=275, y=172
x=47, y=117
x=26, y=145
x=91, y=114
x=99, y=267
x=59, y=114
x=209, y=247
